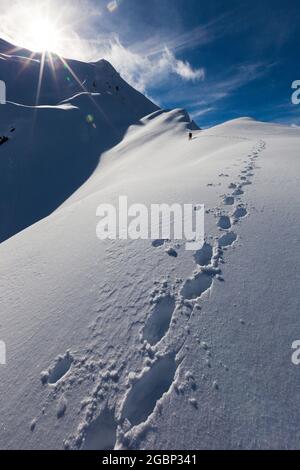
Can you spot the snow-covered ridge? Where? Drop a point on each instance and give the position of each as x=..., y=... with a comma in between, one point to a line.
x=54, y=147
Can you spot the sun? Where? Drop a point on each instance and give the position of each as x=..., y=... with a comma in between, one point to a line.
x=41, y=26
x=44, y=35
x=62, y=28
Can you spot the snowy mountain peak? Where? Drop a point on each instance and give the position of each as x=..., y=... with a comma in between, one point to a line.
x=65, y=115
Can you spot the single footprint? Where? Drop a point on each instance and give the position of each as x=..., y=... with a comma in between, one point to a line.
x=238, y=191
x=240, y=212
x=145, y=393
x=159, y=320
x=196, y=286
x=204, y=255
x=228, y=200
x=227, y=240
x=224, y=222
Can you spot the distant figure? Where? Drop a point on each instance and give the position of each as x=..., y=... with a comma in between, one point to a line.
x=190, y=135
x=95, y=85
x=13, y=129
x=3, y=139
x=117, y=89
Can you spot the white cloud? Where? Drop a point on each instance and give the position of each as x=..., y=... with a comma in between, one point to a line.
x=142, y=70
x=201, y=112
x=183, y=69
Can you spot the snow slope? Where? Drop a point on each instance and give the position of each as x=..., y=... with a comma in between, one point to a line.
x=116, y=344
x=84, y=110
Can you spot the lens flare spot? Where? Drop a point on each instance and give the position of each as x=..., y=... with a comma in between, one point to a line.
x=90, y=118
x=113, y=5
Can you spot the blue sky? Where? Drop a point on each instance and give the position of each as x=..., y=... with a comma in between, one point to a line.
x=218, y=59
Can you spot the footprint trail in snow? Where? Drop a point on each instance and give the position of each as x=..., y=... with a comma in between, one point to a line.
x=105, y=425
